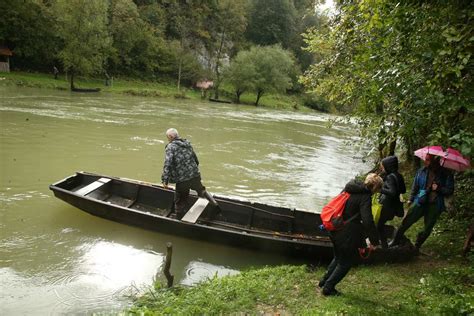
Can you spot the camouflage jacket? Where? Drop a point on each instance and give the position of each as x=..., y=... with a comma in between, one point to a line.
x=181, y=163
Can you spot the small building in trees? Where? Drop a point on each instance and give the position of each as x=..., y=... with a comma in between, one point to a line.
x=204, y=85
x=5, y=54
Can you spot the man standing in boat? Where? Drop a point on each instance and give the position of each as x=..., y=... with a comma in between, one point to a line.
x=181, y=167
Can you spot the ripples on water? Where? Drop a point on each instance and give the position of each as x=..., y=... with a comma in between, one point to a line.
x=56, y=260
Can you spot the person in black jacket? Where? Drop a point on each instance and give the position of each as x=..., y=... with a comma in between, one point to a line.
x=348, y=240
x=393, y=186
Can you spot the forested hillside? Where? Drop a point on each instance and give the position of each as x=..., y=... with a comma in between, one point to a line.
x=183, y=41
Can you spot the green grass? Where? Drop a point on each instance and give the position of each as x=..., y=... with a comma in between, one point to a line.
x=438, y=282
x=423, y=287
x=135, y=87
x=120, y=85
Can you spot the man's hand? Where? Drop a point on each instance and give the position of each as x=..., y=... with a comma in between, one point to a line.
x=165, y=185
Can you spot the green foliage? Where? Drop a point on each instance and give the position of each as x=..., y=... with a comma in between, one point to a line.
x=261, y=69
x=418, y=288
x=267, y=288
x=82, y=25
x=27, y=27
x=316, y=102
x=450, y=282
x=272, y=22
x=226, y=25
x=137, y=38
x=404, y=68
x=137, y=49
x=464, y=199
x=282, y=22
x=241, y=74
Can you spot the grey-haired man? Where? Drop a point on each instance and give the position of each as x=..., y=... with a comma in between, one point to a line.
x=181, y=167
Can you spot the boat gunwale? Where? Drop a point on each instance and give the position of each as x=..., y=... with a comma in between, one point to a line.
x=225, y=198
x=244, y=232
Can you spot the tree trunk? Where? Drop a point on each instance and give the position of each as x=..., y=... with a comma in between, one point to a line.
x=179, y=72
x=180, y=64
x=237, y=94
x=72, y=80
x=216, y=69
x=391, y=148
x=259, y=94
x=216, y=88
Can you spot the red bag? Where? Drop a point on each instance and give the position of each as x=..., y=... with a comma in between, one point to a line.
x=331, y=215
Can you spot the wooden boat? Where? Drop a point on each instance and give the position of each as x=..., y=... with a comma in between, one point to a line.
x=85, y=89
x=219, y=100
x=233, y=222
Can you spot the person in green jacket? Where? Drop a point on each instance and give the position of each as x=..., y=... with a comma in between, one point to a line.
x=431, y=185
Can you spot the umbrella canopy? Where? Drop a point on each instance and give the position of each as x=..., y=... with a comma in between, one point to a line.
x=454, y=160
x=432, y=150
x=450, y=159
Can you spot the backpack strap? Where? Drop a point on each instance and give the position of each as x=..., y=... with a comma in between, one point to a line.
x=353, y=217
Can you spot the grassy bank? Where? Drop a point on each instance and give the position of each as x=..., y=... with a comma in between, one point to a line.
x=431, y=284
x=438, y=282
x=136, y=87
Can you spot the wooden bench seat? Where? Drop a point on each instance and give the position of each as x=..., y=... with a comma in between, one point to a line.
x=195, y=211
x=93, y=186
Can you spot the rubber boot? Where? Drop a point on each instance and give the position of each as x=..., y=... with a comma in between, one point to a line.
x=419, y=241
x=210, y=198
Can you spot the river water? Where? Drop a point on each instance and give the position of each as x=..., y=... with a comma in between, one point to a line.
x=56, y=259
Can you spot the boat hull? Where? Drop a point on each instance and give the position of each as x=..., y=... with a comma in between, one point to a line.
x=244, y=236
x=234, y=223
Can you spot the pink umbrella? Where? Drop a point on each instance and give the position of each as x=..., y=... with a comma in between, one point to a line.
x=432, y=150
x=454, y=160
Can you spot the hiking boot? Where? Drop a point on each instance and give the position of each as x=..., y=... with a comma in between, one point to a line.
x=331, y=292
x=321, y=283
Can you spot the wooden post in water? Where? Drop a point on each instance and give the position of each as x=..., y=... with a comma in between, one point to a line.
x=166, y=270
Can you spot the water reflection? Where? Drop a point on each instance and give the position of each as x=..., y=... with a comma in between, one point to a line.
x=118, y=265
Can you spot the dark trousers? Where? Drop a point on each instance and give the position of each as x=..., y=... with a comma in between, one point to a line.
x=430, y=214
x=383, y=229
x=344, y=259
x=182, y=193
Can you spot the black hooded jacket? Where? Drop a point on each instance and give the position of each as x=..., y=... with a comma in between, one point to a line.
x=393, y=186
x=353, y=234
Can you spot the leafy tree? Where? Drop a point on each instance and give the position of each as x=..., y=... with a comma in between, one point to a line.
x=137, y=48
x=226, y=26
x=405, y=69
x=241, y=74
x=186, y=25
x=82, y=25
x=27, y=27
x=273, y=66
x=272, y=22
x=307, y=18
x=155, y=15
x=262, y=69
x=183, y=63
x=282, y=22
